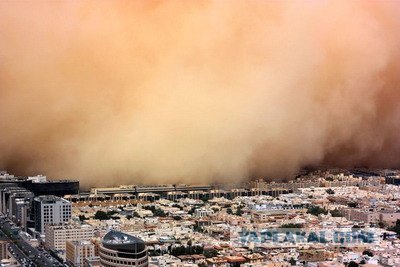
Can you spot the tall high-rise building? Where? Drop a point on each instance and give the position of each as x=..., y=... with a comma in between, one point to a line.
x=21, y=213
x=16, y=203
x=118, y=249
x=50, y=210
x=8, y=196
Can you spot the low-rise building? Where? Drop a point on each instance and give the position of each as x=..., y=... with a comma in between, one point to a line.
x=58, y=235
x=78, y=251
x=92, y=262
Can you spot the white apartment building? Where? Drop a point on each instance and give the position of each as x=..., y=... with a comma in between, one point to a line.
x=58, y=235
x=50, y=210
x=202, y=212
x=78, y=251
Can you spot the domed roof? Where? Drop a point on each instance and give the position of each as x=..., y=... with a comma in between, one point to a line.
x=122, y=242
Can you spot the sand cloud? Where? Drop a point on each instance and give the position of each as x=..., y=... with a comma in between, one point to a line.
x=115, y=92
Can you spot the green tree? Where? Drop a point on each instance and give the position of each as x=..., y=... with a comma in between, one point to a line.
x=368, y=252
x=177, y=251
x=239, y=211
x=192, y=210
x=112, y=212
x=198, y=250
x=215, y=209
x=395, y=228
x=82, y=218
x=210, y=253
x=176, y=206
x=330, y=191
x=229, y=211
x=156, y=211
x=336, y=213
x=353, y=264
x=316, y=210
x=159, y=212
x=352, y=204
x=291, y=225
x=101, y=215
x=198, y=228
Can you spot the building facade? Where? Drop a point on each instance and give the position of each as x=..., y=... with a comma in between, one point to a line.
x=78, y=251
x=118, y=249
x=58, y=235
x=50, y=210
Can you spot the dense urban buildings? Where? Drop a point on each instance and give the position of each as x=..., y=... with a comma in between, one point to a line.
x=356, y=212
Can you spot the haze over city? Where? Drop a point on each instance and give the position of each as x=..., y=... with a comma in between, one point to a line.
x=114, y=92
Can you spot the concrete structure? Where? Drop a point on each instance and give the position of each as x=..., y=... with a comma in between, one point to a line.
x=40, y=186
x=8, y=198
x=16, y=203
x=290, y=186
x=50, y=210
x=389, y=218
x=22, y=211
x=78, y=251
x=58, y=235
x=238, y=193
x=160, y=189
x=92, y=262
x=148, y=197
x=4, y=248
x=175, y=195
x=203, y=212
x=395, y=179
x=118, y=249
x=37, y=179
x=198, y=194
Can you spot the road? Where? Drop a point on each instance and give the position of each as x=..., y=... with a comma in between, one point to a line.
x=16, y=252
x=24, y=253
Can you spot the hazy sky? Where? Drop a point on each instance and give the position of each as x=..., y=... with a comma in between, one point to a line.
x=118, y=92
